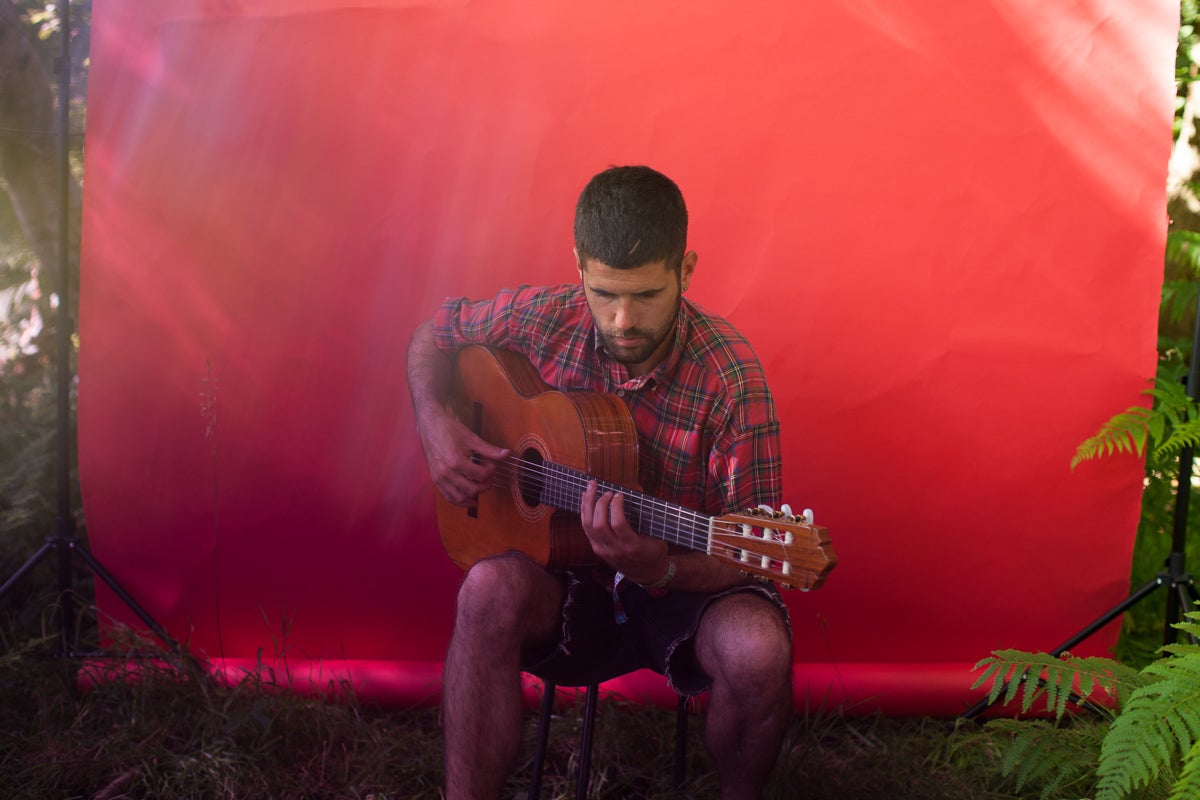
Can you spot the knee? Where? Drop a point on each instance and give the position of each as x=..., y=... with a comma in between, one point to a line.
x=747, y=643
x=762, y=657
x=497, y=595
x=485, y=593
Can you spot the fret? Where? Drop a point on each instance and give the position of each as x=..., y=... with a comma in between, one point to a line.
x=663, y=523
x=562, y=487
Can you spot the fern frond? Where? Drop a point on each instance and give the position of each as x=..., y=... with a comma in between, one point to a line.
x=1014, y=673
x=1161, y=719
x=1178, y=649
x=1184, y=434
x=1171, y=403
x=1032, y=760
x=1190, y=625
x=1046, y=755
x=1120, y=681
x=1187, y=785
x=1171, y=422
x=1124, y=433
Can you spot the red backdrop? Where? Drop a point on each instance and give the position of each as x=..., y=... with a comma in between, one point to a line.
x=940, y=223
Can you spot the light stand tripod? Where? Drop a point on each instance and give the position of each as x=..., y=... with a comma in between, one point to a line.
x=64, y=541
x=1181, y=590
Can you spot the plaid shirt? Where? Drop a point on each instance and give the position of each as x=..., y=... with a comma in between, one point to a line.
x=707, y=430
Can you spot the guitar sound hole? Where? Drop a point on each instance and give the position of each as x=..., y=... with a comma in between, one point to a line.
x=531, y=477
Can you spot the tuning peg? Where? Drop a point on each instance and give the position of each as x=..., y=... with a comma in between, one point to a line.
x=773, y=514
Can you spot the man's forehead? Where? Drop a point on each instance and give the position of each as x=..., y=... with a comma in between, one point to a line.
x=653, y=275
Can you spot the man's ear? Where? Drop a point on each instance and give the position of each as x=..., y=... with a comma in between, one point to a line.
x=686, y=269
x=578, y=262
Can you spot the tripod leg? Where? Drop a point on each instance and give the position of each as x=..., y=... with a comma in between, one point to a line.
x=42, y=552
x=127, y=599
x=1105, y=618
x=66, y=594
x=1146, y=588
x=1187, y=594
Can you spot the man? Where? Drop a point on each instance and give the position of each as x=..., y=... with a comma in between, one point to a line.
x=708, y=440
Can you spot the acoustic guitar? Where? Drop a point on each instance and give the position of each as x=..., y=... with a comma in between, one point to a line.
x=560, y=440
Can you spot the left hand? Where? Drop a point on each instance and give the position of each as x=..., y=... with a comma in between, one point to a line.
x=643, y=559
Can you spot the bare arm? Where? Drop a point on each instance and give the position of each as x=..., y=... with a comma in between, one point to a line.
x=450, y=447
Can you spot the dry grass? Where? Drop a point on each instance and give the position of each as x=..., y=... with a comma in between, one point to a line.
x=175, y=733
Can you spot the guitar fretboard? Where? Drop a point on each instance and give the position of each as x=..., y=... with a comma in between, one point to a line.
x=563, y=488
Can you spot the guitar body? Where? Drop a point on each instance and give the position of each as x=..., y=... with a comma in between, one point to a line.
x=502, y=398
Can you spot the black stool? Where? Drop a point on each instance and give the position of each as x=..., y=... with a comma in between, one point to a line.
x=585, y=741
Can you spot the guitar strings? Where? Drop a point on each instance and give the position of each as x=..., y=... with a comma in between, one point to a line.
x=568, y=486
x=576, y=482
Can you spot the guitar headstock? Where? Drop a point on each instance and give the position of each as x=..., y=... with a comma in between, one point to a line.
x=777, y=545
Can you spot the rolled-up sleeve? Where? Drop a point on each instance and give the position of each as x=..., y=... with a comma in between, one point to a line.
x=459, y=321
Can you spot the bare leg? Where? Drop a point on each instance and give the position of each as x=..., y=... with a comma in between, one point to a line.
x=505, y=604
x=743, y=644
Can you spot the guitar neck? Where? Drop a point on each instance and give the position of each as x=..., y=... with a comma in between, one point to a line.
x=564, y=487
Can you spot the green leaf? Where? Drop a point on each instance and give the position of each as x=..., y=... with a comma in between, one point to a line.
x=1161, y=719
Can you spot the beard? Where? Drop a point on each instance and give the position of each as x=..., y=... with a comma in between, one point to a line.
x=650, y=340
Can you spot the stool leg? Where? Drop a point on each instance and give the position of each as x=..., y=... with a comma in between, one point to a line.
x=543, y=734
x=585, y=743
x=681, y=732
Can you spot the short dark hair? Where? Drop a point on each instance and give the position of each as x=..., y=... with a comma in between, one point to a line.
x=630, y=216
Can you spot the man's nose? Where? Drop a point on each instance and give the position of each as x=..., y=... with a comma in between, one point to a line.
x=624, y=315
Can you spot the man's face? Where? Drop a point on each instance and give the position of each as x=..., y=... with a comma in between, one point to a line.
x=635, y=309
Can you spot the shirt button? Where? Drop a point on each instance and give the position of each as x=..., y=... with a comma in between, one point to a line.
x=620, y=392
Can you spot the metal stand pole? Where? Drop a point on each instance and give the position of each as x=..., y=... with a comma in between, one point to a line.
x=64, y=542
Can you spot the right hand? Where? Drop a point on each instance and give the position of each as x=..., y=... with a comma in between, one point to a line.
x=460, y=463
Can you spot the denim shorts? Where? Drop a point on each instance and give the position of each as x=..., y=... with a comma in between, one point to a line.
x=603, y=637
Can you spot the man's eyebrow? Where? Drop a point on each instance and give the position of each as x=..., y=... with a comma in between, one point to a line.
x=612, y=293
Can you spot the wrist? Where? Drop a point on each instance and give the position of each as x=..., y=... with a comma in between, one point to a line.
x=662, y=582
